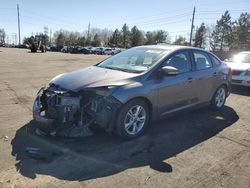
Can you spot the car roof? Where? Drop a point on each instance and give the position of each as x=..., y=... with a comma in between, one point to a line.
x=169, y=47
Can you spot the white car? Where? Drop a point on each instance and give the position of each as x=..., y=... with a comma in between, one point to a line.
x=108, y=51
x=240, y=65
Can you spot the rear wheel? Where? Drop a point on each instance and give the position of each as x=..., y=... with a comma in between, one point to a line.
x=219, y=98
x=132, y=119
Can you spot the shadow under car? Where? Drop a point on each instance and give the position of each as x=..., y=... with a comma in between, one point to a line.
x=102, y=155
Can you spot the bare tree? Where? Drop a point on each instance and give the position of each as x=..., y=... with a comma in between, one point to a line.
x=2, y=36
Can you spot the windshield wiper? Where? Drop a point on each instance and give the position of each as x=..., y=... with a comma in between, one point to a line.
x=113, y=68
x=132, y=71
x=121, y=69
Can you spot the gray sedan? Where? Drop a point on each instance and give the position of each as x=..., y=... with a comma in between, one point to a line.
x=127, y=91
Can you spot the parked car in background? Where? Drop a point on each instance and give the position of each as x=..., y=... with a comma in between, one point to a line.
x=91, y=49
x=100, y=50
x=65, y=49
x=108, y=51
x=123, y=93
x=56, y=48
x=240, y=65
x=116, y=50
x=84, y=50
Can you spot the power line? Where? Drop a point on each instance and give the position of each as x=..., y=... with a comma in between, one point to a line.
x=101, y=22
x=150, y=21
x=165, y=22
x=173, y=18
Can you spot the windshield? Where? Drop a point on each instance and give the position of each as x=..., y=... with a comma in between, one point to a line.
x=134, y=60
x=241, y=57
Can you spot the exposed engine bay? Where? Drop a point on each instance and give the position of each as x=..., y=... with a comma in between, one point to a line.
x=70, y=114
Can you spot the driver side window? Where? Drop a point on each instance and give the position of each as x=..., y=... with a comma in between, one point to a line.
x=180, y=61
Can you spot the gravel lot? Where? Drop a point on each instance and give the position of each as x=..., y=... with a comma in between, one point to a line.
x=202, y=148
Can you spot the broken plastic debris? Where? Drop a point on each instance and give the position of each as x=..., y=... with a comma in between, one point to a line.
x=5, y=138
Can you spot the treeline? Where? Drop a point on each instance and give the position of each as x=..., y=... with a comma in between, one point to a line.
x=226, y=34
x=234, y=35
x=124, y=38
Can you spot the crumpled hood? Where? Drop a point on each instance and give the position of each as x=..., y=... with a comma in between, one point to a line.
x=92, y=77
x=238, y=66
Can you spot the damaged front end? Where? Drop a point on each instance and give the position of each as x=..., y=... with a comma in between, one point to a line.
x=66, y=113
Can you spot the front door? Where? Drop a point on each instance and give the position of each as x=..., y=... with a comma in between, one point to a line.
x=177, y=92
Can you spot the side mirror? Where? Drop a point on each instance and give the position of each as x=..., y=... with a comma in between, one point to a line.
x=169, y=70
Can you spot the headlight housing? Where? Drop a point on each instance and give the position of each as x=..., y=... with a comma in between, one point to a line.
x=106, y=90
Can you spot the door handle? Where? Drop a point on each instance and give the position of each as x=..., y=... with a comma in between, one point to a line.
x=215, y=74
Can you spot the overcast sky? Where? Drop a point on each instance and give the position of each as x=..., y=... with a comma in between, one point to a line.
x=173, y=16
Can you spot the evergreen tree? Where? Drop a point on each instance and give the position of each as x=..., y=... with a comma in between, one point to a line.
x=199, y=40
x=137, y=38
x=125, y=36
x=222, y=32
x=150, y=38
x=240, y=36
x=160, y=36
x=81, y=41
x=115, y=39
x=96, y=41
x=60, y=39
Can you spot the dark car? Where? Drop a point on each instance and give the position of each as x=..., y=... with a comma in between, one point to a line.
x=127, y=91
x=56, y=48
x=84, y=50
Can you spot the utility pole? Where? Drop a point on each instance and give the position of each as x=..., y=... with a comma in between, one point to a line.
x=192, y=27
x=18, y=19
x=88, y=30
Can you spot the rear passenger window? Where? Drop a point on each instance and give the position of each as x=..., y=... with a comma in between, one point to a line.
x=215, y=61
x=202, y=60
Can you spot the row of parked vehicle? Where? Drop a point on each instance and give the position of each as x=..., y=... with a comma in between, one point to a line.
x=84, y=50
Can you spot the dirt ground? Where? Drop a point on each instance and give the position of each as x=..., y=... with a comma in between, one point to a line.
x=202, y=148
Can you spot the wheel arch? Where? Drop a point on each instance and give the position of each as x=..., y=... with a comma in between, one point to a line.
x=224, y=85
x=147, y=101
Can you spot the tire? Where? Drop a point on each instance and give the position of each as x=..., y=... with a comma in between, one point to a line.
x=132, y=120
x=42, y=49
x=219, y=98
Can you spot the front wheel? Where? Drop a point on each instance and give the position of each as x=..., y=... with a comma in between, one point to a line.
x=132, y=120
x=219, y=98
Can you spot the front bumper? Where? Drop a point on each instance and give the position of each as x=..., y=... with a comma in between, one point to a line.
x=241, y=80
x=57, y=111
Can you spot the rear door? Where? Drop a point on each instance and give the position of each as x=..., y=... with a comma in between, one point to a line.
x=204, y=76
